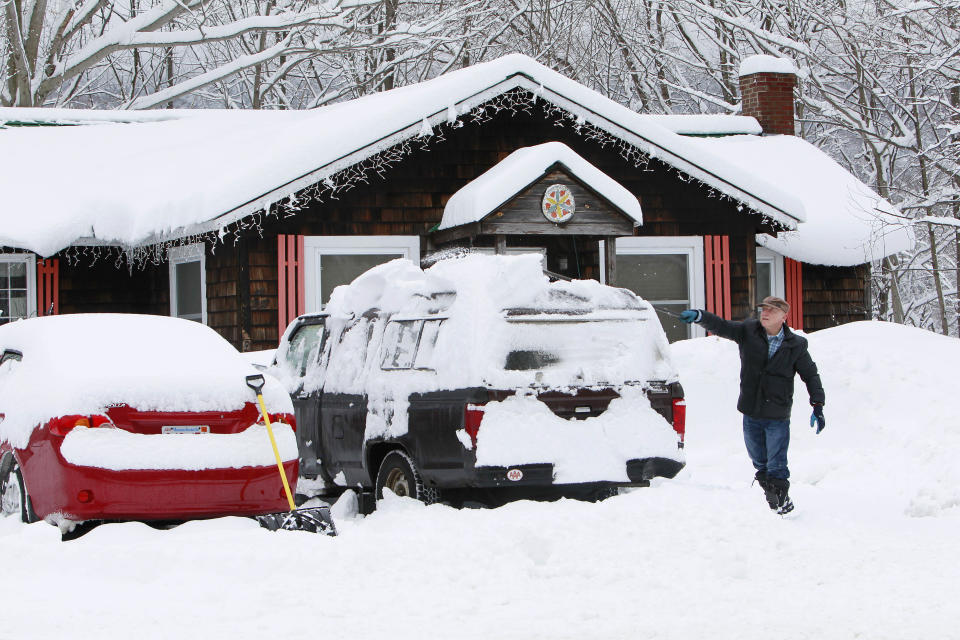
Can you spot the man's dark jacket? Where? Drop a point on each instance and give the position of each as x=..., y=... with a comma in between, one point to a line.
x=766, y=385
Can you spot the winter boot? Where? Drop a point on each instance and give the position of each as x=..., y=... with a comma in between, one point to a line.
x=784, y=504
x=768, y=491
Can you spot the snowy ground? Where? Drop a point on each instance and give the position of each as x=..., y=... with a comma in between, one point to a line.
x=871, y=552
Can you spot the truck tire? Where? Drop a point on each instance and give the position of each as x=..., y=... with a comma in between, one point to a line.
x=399, y=473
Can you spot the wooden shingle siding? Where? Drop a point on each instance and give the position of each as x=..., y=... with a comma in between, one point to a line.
x=834, y=295
x=103, y=287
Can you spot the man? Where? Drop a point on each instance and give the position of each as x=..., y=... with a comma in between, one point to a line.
x=770, y=356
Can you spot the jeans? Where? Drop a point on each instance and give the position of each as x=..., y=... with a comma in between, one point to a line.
x=767, y=442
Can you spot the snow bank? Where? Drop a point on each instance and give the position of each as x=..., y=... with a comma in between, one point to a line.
x=847, y=222
x=112, y=182
x=482, y=196
x=82, y=364
x=121, y=450
x=766, y=64
x=522, y=430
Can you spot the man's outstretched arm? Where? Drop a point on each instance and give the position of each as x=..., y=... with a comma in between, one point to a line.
x=716, y=324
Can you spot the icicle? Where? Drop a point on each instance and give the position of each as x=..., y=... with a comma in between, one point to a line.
x=451, y=114
x=425, y=130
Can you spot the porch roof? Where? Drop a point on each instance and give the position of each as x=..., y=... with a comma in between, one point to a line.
x=481, y=196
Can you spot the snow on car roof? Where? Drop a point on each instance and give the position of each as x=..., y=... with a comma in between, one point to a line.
x=83, y=363
x=137, y=183
x=847, y=222
x=483, y=195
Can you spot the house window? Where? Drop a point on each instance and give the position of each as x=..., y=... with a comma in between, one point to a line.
x=666, y=272
x=769, y=274
x=335, y=260
x=188, y=283
x=18, y=286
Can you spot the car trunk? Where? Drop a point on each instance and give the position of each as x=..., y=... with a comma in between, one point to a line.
x=158, y=422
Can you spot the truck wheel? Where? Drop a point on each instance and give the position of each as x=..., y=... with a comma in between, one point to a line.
x=13, y=495
x=398, y=473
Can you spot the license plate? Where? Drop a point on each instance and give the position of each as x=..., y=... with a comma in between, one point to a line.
x=193, y=429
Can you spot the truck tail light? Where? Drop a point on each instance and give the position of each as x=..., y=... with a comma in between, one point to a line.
x=680, y=418
x=65, y=424
x=472, y=417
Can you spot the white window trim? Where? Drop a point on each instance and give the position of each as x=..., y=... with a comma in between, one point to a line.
x=772, y=257
x=31, y=261
x=188, y=253
x=692, y=246
x=316, y=246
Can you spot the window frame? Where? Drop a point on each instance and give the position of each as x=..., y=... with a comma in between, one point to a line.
x=31, y=263
x=777, y=273
x=184, y=254
x=691, y=246
x=315, y=247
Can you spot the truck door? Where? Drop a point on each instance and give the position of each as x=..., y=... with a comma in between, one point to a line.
x=304, y=359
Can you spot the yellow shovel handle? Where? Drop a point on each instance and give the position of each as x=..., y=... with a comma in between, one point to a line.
x=276, y=453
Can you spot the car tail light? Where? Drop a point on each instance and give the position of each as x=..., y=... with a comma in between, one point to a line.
x=64, y=424
x=680, y=418
x=285, y=418
x=472, y=417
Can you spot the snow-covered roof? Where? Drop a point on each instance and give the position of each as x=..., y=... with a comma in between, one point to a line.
x=134, y=184
x=766, y=64
x=517, y=171
x=847, y=222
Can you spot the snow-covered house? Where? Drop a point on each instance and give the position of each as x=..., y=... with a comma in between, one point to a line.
x=243, y=220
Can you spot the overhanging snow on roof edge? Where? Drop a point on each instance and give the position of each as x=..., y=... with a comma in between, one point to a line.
x=518, y=79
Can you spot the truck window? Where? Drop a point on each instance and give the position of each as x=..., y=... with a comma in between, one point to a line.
x=304, y=348
x=409, y=344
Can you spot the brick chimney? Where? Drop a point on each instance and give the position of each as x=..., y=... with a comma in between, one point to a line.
x=766, y=90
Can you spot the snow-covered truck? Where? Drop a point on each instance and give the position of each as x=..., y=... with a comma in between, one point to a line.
x=480, y=378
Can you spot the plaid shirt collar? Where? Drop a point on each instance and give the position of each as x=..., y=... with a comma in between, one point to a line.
x=774, y=342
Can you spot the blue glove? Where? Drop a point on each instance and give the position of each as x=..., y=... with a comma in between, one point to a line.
x=817, y=419
x=690, y=315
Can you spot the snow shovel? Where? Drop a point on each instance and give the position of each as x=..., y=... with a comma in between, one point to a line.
x=313, y=519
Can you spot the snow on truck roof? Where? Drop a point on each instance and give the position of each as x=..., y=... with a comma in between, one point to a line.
x=489, y=305
x=133, y=179
x=83, y=363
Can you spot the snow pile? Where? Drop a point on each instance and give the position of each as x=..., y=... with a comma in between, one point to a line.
x=112, y=181
x=766, y=64
x=522, y=430
x=482, y=196
x=121, y=450
x=847, y=222
x=82, y=364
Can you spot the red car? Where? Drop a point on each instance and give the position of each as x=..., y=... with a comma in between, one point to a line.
x=127, y=417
